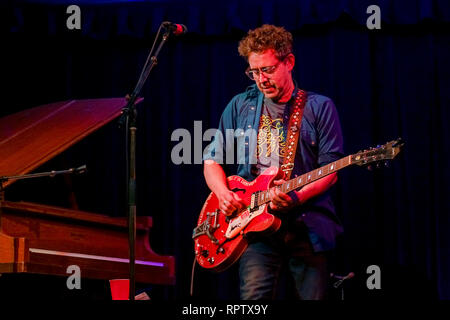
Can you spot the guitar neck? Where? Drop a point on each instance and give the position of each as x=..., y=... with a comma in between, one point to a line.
x=263, y=197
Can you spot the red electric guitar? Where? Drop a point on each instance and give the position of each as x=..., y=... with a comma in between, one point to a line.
x=220, y=240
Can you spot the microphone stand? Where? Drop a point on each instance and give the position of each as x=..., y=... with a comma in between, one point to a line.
x=129, y=116
x=340, y=281
x=79, y=170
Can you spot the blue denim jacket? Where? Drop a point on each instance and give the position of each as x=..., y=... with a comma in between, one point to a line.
x=320, y=143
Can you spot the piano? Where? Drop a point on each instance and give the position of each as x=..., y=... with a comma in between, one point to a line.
x=45, y=239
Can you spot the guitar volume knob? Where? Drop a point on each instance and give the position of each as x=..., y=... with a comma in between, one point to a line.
x=204, y=253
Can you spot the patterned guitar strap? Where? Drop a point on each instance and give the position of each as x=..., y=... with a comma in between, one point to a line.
x=293, y=133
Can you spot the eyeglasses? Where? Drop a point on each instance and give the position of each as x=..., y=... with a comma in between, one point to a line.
x=254, y=74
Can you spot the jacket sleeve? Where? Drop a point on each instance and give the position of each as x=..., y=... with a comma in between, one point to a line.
x=224, y=135
x=329, y=133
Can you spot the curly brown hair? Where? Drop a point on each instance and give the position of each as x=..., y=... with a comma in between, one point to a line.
x=266, y=37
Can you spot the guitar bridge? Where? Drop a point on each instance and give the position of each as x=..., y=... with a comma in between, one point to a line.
x=207, y=228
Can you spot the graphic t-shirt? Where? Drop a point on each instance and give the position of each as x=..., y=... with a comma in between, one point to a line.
x=271, y=136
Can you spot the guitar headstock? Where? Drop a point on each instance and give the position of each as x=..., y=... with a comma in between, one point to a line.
x=381, y=153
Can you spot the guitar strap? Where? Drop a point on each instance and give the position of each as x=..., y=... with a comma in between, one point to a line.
x=295, y=121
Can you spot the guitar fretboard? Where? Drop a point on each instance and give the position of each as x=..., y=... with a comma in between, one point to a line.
x=263, y=197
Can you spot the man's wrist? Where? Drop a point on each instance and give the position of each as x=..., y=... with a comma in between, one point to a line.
x=222, y=192
x=295, y=197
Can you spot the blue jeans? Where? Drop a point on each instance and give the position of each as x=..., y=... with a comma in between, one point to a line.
x=261, y=265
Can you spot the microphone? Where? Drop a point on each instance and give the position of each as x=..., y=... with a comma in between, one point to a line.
x=341, y=279
x=176, y=29
x=80, y=170
x=349, y=276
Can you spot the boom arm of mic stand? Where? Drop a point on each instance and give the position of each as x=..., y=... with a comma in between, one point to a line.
x=79, y=170
x=146, y=72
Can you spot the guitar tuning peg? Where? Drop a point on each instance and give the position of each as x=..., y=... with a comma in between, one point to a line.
x=378, y=165
x=386, y=164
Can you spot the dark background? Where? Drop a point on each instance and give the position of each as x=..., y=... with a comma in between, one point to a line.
x=386, y=84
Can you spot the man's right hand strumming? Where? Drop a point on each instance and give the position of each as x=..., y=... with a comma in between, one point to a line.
x=230, y=202
x=215, y=177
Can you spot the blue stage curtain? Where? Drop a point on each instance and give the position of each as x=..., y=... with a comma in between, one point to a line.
x=139, y=19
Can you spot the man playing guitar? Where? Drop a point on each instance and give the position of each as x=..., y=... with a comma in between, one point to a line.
x=309, y=225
